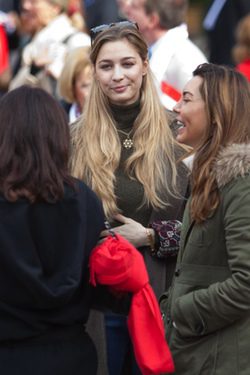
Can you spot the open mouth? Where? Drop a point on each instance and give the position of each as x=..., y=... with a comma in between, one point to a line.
x=177, y=125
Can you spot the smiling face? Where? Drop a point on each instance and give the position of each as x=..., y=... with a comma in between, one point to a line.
x=191, y=114
x=120, y=70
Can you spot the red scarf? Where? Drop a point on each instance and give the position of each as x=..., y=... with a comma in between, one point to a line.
x=117, y=263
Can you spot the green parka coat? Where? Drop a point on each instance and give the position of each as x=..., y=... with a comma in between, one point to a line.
x=207, y=310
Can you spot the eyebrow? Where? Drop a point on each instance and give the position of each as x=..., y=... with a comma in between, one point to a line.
x=187, y=93
x=123, y=59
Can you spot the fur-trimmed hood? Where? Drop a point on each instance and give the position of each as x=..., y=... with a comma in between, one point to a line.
x=233, y=161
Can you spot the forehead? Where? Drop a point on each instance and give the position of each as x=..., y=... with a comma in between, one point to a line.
x=117, y=49
x=193, y=86
x=84, y=73
x=136, y=3
x=37, y=2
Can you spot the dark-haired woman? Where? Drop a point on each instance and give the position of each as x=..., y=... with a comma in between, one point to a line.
x=49, y=222
x=207, y=314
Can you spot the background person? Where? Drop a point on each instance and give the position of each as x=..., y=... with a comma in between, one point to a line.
x=4, y=62
x=43, y=57
x=220, y=24
x=131, y=161
x=75, y=80
x=49, y=224
x=241, y=49
x=207, y=313
x=173, y=56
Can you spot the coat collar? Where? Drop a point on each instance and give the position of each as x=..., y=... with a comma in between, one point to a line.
x=233, y=161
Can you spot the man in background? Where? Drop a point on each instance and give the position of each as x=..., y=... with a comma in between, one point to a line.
x=173, y=56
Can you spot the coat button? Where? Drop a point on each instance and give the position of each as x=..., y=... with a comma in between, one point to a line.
x=177, y=272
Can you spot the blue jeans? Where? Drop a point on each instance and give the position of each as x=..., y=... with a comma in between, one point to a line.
x=120, y=355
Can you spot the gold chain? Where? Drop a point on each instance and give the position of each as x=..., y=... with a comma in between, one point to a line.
x=128, y=142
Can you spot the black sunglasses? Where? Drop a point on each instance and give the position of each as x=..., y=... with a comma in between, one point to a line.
x=123, y=24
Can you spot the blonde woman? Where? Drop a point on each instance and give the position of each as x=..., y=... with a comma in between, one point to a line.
x=75, y=80
x=124, y=150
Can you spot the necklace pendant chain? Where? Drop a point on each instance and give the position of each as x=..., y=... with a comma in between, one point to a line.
x=128, y=143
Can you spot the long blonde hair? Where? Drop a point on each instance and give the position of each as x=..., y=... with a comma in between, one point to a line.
x=96, y=144
x=226, y=95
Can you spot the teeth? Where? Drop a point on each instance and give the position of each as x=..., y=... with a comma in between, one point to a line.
x=177, y=124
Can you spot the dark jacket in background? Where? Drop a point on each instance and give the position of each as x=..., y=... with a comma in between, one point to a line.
x=221, y=36
x=98, y=12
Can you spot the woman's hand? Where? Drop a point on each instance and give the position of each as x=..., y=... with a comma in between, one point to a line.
x=130, y=229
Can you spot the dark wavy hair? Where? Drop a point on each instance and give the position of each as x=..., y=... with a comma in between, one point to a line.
x=34, y=146
x=226, y=94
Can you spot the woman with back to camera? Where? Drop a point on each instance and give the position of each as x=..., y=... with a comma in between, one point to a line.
x=124, y=150
x=207, y=313
x=49, y=222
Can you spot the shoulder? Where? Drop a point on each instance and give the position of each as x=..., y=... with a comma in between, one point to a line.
x=182, y=64
x=189, y=46
x=88, y=200
x=188, y=53
x=84, y=190
x=78, y=39
x=187, y=56
x=75, y=128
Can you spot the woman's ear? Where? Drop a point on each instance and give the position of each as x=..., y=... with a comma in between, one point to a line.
x=145, y=67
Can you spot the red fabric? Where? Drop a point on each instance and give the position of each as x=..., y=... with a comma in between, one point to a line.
x=244, y=68
x=117, y=263
x=4, y=51
x=170, y=91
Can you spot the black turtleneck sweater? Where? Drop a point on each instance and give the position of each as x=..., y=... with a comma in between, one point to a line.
x=129, y=192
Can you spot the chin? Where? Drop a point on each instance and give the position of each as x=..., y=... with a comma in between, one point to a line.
x=181, y=139
x=123, y=101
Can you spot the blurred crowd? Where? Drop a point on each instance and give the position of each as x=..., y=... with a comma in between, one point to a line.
x=38, y=38
x=118, y=72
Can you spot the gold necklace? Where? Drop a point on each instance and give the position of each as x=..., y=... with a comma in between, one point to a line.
x=128, y=142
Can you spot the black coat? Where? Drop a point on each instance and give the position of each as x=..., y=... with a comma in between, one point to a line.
x=44, y=288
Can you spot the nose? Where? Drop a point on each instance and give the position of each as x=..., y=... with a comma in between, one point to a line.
x=125, y=7
x=25, y=5
x=117, y=73
x=177, y=107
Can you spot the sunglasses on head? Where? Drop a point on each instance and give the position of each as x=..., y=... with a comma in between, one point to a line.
x=123, y=24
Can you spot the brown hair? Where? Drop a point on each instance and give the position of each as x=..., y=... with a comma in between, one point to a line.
x=34, y=146
x=227, y=100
